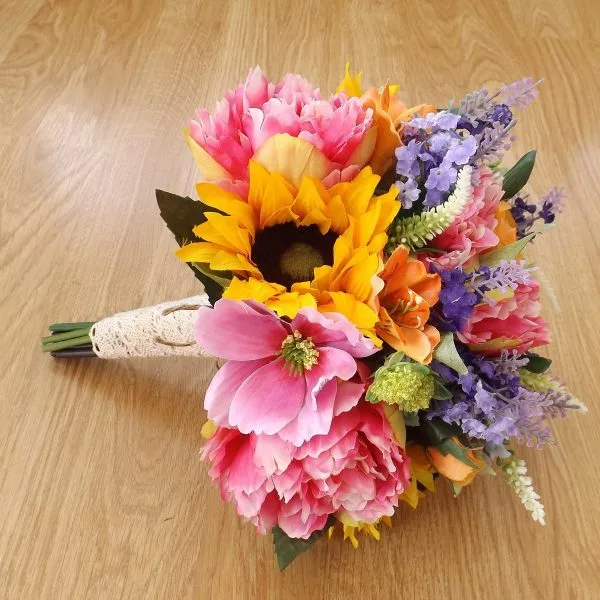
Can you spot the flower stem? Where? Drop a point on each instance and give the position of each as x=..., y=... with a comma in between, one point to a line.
x=69, y=340
x=69, y=343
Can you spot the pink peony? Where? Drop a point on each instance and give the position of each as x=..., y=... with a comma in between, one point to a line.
x=472, y=232
x=357, y=468
x=257, y=110
x=513, y=323
x=282, y=378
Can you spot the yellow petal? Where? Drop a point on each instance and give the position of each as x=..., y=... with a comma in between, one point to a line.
x=288, y=304
x=215, y=197
x=209, y=168
x=396, y=418
x=252, y=289
x=363, y=316
x=202, y=252
x=310, y=197
x=350, y=84
x=293, y=158
x=336, y=211
x=259, y=182
x=224, y=231
x=208, y=429
x=360, y=191
x=276, y=197
x=357, y=280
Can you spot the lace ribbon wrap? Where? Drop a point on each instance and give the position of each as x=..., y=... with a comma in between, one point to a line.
x=162, y=330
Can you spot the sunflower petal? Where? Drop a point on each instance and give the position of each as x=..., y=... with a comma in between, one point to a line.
x=227, y=202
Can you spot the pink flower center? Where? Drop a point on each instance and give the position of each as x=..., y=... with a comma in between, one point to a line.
x=299, y=354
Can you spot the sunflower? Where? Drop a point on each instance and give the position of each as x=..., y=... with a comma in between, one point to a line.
x=291, y=247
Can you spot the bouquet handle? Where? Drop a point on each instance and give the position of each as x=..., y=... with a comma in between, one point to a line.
x=164, y=329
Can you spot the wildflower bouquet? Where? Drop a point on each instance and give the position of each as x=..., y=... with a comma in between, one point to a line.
x=367, y=289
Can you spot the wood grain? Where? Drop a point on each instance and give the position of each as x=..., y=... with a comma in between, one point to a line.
x=101, y=491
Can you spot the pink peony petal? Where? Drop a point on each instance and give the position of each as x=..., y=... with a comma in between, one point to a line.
x=268, y=400
x=272, y=454
x=239, y=330
x=347, y=397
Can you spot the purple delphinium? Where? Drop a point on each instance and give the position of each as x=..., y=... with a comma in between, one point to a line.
x=456, y=301
x=491, y=405
x=526, y=213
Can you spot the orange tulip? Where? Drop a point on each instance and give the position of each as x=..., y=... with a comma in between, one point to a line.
x=409, y=292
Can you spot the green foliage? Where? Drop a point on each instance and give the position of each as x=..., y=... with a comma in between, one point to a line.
x=435, y=431
x=181, y=216
x=516, y=178
x=449, y=446
x=447, y=354
x=493, y=258
x=287, y=548
x=537, y=363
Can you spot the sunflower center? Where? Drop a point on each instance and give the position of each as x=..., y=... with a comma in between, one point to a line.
x=300, y=354
x=286, y=254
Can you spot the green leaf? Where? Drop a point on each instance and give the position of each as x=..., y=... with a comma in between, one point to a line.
x=287, y=548
x=509, y=252
x=449, y=446
x=456, y=488
x=394, y=359
x=537, y=363
x=411, y=419
x=181, y=216
x=439, y=391
x=216, y=276
x=447, y=354
x=491, y=259
x=516, y=178
x=435, y=431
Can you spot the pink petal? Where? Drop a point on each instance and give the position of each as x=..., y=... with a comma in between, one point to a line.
x=244, y=475
x=347, y=397
x=268, y=400
x=239, y=330
x=332, y=329
x=314, y=417
x=331, y=363
x=272, y=454
x=224, y=385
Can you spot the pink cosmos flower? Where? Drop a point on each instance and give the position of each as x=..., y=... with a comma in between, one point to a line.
x=257, y=110
x=357, y=468
x=513, y=323
x=281, y=378
x=472, y=231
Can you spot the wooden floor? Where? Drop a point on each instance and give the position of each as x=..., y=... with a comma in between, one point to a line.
x=102, y=495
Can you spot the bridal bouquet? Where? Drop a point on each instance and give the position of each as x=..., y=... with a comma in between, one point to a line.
x=368, y=291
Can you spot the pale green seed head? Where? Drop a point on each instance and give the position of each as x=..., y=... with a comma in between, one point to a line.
x=406, y=385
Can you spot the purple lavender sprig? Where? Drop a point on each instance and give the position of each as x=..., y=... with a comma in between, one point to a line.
x=520, y=94
x=508, y=275
x=526, y=213
x=492, y=405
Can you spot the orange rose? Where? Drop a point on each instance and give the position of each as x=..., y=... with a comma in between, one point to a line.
x=452, y=468
x=506, y=229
